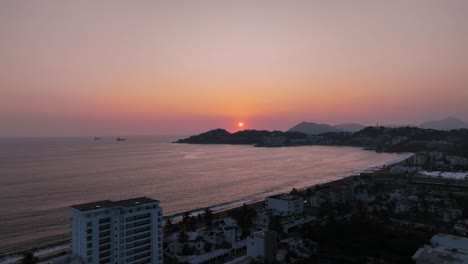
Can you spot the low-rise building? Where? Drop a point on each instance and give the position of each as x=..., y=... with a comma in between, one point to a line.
x=230, y=229
x=443, y=248
x=295, y=222
x=274, y=141
x=399, y=169
x=263, y=219
x=403, y=206
x=338, y=195
x=361, y=193
x=296, y=246
x=457, y=161
x=285, y=204
x=445, y=211
x=262, y=245
x=186, y=243
x=317, y=199
x=341, y=195
x=441, y=178
x=461, y=227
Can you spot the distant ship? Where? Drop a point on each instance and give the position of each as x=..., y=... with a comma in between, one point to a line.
x=121, y=139
x=97, y=138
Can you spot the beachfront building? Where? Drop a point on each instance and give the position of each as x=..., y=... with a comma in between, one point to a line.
x=338, y=195
x=127, y=231
x=285, y=204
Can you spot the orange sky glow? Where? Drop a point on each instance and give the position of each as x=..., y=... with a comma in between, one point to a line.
x=184, y=67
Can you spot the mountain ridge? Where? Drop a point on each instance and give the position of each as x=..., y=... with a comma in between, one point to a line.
x=312, y=128
x=447, y=123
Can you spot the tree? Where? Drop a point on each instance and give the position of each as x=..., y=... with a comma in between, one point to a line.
x=29, y=258
x=185, y=218
x=188, y=221
x=188, y=250
x=199, y=220
x=294, y=192
x=183, y=237
x=168, y=227
x=207, y=247
x=208, y=215
x=245, y=217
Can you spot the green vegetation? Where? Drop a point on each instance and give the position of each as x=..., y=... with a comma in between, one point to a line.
x=360, y=239
x=245, y=217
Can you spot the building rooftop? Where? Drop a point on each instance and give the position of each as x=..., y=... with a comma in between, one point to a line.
x=448, y=175
x=110, y=204
x=93, y=205
x=444, y=248
x=135, y=201
x=450, y=241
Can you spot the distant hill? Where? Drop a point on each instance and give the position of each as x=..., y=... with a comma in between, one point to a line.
x=448, y=123
x=248, y=137
x=314, y=128
x=350, y=127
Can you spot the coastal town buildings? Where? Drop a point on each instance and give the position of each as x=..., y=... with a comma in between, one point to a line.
x=274, y=141
x=126, y=231
x=441, y=178
x=205, y=244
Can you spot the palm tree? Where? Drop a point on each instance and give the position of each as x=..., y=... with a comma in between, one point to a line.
x=245, y=218
x=208, y=215
x=187, y=221
x=168, y=226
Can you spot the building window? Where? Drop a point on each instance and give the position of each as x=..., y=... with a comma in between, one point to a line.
x=104, y=220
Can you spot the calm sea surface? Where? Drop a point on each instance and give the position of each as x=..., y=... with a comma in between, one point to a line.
x=41, y=178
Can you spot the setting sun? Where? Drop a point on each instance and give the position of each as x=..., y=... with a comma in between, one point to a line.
x=241, y=124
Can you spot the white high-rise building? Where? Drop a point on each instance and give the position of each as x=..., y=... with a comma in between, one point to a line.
x=127, y=231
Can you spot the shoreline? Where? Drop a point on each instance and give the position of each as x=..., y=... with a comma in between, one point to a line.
x=56, y=249
x=62, y=247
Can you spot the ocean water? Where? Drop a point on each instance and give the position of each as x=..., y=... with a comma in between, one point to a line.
x=41, y=177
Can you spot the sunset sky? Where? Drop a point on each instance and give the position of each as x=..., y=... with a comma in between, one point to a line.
x=183, y=67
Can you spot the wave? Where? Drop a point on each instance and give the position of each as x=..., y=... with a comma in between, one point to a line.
x=387, y=163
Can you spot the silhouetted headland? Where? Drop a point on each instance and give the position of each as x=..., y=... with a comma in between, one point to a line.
x=247, y=137
x=381, y=139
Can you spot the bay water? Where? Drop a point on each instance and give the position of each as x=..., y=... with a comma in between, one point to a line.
x=40, y=178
